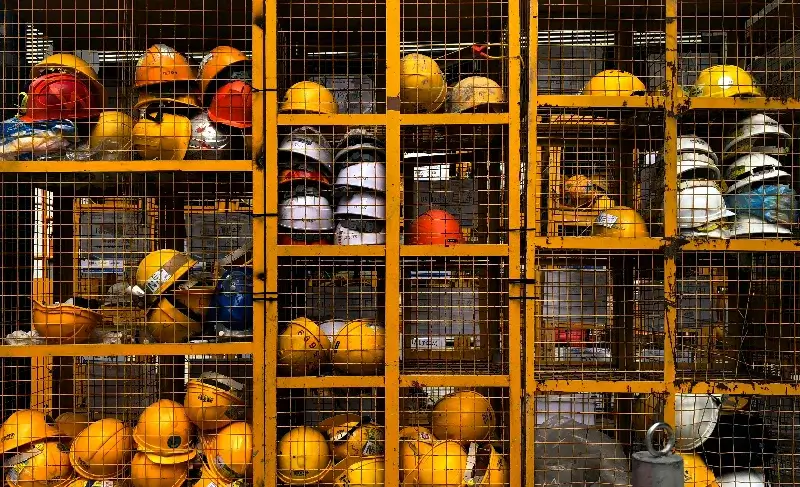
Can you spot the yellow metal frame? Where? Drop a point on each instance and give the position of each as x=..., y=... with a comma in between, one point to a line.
x=520, y=381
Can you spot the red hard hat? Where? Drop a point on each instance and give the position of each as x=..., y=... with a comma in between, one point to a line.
x=233, y=105
x=59, y=96
x=434, y=227
x=291, y=175
x=286, y=239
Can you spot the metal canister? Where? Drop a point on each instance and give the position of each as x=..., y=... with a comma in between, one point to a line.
x=657, y=468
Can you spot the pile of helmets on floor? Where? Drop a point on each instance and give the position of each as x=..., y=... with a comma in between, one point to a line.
x=347, y=449
x=184, y=115
x=204, y=442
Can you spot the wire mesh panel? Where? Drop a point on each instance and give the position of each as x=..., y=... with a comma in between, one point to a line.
x=600, y=49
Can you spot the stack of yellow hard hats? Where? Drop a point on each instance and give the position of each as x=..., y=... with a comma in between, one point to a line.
x=167, y=99
x=33, y=452
x=176, y=305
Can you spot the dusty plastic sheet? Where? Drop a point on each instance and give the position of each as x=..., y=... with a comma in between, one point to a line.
x=571, y=454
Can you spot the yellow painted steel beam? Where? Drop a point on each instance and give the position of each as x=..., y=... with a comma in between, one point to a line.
x=585, y=101
x=330, y=381
x=598, y=243
x=265, y=237
x=756, y=103
x=124, y=166
x=330, y=250
x=460, y=250
x=532, y=188
x=457, y=118
x=743, y=245
x=610, y=386
x=338, y=119
x=740, y=388
x=94, y=350
x=515, y=395
x=670, y=203
x=394, y=219
x=449, y=380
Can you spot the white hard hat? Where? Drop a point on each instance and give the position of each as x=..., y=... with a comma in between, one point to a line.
x=331, y=328
x=700, y=203
x=712, y=230
x=754, y=168
x=693, y=143
x=748, y=226
x=362, y=204
x=306, y=213
x=368, y=175
x=742, y=478
x=309, y=144
x=206, y=142
x=360, y=145
x=756, y=131
x=347, y=236
x=697, y=165
x=696, y=416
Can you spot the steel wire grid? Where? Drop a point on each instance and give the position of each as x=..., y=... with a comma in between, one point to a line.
x=712, y=315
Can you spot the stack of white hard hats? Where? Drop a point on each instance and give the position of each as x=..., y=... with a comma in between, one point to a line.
x=305, y=214
x=759, y=186
x=360, y=186
x=701, y=208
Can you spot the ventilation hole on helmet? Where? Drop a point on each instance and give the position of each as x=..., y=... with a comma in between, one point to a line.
x=174, y=441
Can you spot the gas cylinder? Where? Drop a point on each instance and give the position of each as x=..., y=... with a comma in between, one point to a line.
x=657, y=468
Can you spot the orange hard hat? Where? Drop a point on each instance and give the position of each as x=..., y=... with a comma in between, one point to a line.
x=162, y=64
x=233, y=105
x=60, y=96
x=434, y=227
x=218, y=60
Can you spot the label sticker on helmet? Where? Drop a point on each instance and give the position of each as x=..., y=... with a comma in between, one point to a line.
x=606, y=220
x=156, y=280
x=372, y=448
x=174, y=441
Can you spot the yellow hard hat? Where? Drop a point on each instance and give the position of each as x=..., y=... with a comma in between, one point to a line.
x=71, y=423
x=216, y=61
x=162, y=136
x=415, y=442
x=696, y=473
x=68, y=63
x=475, y=93
x=308, y=97
x=582, y=191
x=113, y=130
x=162, y=64
x=614, y=82
x=204, y=477
x=443, y=465
x=161, y=269
x=304, y=457
x=39, y=465
x=302, y=347
x=619, y=221
x=359, y=348
x=64, y=323
x=463, y=416
x=164, y=430
x=229, y=452
x=171, y=324
x=214, y=400
x=723, y=81
x=102, y=450
x=367, y=472
x=486, y=467
x=176, y=99
x=147, y=473
x=422, y=84
x=24, y=427
x=352, y=436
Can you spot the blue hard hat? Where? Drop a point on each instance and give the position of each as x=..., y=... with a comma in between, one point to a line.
x=233, y=301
